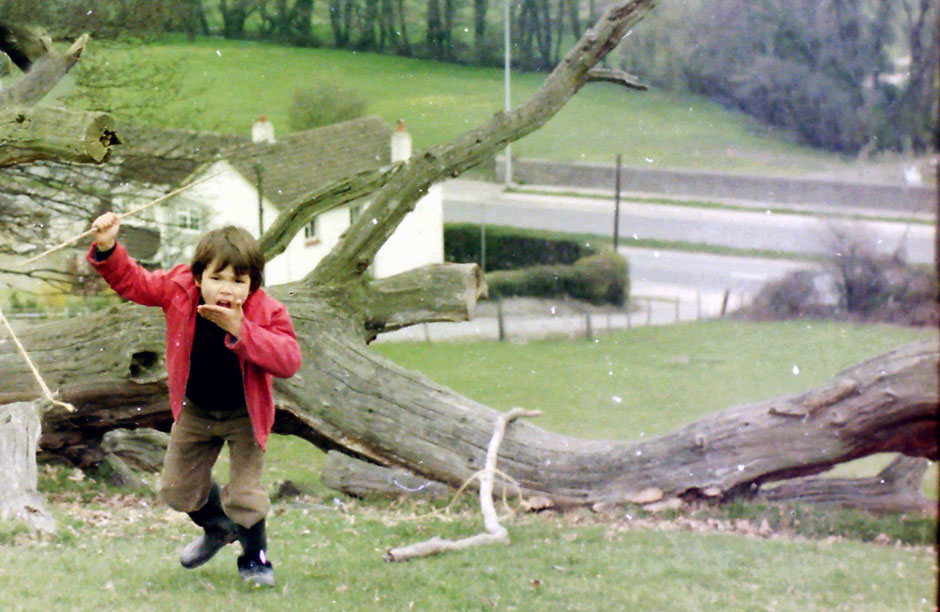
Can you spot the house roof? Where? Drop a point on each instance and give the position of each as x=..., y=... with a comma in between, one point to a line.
x=161, y=156
x=293, y=166
x=303, y=161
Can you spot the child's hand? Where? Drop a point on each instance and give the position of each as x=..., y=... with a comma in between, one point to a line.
x=229, y=319
x=106, y=230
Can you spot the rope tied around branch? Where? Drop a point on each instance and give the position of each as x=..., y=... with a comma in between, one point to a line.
x=50, y=397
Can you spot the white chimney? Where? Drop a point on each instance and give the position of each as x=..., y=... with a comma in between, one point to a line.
x=401, y=143
x=262, y=131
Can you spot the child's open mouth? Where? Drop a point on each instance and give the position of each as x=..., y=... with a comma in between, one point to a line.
x=224, y=303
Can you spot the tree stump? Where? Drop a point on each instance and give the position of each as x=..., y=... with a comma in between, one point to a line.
x=19, y=438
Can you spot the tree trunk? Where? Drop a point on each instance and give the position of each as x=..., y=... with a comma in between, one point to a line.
x=44, y=73
x=110, y=365
x=897, y=488
x=480, y=53
x=30, y=134
x=19, y=436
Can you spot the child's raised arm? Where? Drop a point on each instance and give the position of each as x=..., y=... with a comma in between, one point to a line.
x=106, y=230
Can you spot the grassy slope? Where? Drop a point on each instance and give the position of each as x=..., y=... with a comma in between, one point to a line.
x=327, y=560
x=227, y=84
x=650, y=380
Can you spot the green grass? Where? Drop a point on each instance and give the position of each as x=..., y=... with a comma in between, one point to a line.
x=125, y=559
x=649, y=380
x=227, y=84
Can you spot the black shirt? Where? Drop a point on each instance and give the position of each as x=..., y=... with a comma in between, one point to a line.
x=215, y=377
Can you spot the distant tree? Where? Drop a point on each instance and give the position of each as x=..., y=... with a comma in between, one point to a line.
x=288, y=22
x=533, y=25
x=342, y=15
x=110, y=18
x=234, y=15
x=823, y=69
x=833, y=72
x=480, y=53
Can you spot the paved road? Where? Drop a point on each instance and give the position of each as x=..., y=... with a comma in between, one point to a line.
x=700, y=280
x=666, y=286
x=467, y=201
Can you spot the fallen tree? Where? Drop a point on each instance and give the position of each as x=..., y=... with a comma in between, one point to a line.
x=27, y=134
x=348, y=399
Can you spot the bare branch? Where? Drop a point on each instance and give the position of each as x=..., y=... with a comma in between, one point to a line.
x=446, y=292
x=30, y=134
x=495, y=533
x=43, y=75
x=353, y=255
x=339, y=192
x=618, y=77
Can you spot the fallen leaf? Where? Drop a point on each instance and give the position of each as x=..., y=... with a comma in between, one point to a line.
x=534, y=504
x=646, y=496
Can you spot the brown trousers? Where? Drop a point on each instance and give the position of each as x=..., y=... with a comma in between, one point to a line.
x=195, y=443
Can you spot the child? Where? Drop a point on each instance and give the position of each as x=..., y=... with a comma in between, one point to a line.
x=219, y=366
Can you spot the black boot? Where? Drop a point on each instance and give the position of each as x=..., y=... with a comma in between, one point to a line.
x=253, y=565
x=219, y=531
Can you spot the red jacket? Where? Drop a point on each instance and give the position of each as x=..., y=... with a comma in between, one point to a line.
x=266, y=346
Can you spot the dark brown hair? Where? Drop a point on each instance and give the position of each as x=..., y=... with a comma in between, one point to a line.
x=230, y=246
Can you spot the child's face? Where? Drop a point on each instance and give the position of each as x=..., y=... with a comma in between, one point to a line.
x=223, y=287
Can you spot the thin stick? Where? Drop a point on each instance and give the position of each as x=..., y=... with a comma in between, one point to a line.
x=495, y=533
x=29, y=362
x=129, y=213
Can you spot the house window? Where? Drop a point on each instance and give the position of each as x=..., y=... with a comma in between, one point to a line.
x=355, y=211
x=188, y=217
x=311, y=233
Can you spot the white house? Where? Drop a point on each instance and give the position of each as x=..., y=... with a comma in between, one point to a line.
x=284, y=171
x=154, y=162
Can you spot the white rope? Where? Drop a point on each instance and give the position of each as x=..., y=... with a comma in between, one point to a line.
x=129, y=213
x=45, y=389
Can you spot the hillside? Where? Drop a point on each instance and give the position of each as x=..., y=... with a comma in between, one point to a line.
x=214, y=84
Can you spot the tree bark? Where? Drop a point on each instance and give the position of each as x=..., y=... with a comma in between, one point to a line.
x=897, y=488
x=43, y=74
x=110, y=365
x=30, y=134
x=363, y=479
x=19, y=436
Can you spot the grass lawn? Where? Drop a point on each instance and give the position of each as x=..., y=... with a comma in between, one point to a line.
x=226, y=85
x=327, y=559
x=649, y=380
x=119, y=552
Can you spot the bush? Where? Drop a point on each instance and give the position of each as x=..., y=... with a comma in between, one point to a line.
x=598, y=279
x=509, y=248
x=323, y=104
x=790, y=297
x=911, y=297
x=869, y=287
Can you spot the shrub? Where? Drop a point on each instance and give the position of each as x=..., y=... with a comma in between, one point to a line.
x=790, y=297
x=509, y=248
x=911, y=297
x=598, y=279
x=323, y=104
x=869, y=287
